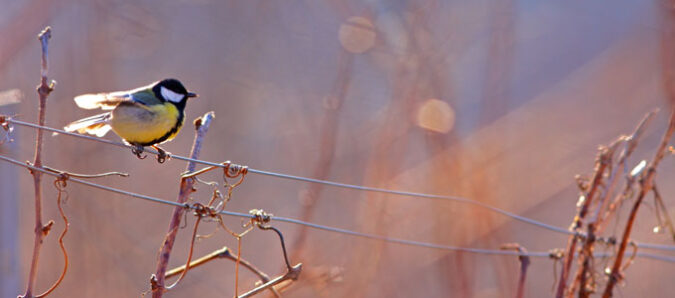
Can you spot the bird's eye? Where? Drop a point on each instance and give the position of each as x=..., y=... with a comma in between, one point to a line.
x=170, y=95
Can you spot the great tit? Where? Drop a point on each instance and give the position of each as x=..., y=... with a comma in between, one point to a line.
x=145, y=116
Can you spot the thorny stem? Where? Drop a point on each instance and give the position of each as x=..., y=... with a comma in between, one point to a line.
x=646, y=185
x=186, y=184
x=40, y=231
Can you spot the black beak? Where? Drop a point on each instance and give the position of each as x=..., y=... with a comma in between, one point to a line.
x=191, y=94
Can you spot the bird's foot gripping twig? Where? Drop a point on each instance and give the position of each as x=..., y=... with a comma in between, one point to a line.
x=138, y=151
x=162, y=155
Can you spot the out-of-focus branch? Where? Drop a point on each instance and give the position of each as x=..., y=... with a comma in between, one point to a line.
x=646, y=185
x=524, y=263
x=327, y=144
x=31, y=15
x=41, y=230
x=201, y=127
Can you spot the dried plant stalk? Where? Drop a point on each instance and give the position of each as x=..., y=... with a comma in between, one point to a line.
x=201, y=126
x=646, y=186
x=41, y=231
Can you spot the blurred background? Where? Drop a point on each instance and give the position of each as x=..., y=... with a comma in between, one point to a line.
x=500, y=101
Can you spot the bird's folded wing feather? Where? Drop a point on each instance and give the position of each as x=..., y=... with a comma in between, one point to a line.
x=108, y=101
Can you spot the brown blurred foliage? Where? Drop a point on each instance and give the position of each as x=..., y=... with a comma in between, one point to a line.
x=495, y=100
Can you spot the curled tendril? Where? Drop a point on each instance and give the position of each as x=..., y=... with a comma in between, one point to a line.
x=202, y=210
x=231, y=170
x=60, y=184
x=260, y=217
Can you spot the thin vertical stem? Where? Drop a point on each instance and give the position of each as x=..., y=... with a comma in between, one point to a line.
x=41, y=230
x=201, y=126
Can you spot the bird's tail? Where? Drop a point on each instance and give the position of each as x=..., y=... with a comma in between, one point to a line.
x=96, y=125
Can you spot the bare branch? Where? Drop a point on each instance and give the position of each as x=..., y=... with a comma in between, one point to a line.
x=601, y=164
x=646, y=185
x=524, y=263
x=201, y=127
x=40, y=231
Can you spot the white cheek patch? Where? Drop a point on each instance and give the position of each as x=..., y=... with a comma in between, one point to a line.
x=170, y=95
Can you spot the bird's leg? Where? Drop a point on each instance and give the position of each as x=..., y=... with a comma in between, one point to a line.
x=162, y=155
x=138, y=151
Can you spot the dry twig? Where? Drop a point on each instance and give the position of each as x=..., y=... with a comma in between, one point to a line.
x=223, y=253
x=261, y=220
x=584, y=279
x=601, y=164
x=646, y=185
x=524, y=263
x=157, y=280
x=41, y=231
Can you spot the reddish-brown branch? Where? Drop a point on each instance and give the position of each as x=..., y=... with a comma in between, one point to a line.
x=646, y=185
x=329, y=130
x=186, y=184
x=41, y=230
x=600, y=166
x=524, y=264
x=584, y=280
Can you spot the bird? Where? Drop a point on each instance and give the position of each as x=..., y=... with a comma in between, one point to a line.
x=145, y=116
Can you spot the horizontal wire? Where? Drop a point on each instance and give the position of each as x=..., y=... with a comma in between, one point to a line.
x=311, y=180
x=99, y=186
x=347, y=186
x=327, y=228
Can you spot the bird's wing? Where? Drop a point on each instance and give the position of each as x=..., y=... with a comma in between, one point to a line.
x=108, y=101
x=145, y=97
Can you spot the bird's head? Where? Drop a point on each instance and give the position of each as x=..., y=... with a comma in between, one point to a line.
x=172, y=90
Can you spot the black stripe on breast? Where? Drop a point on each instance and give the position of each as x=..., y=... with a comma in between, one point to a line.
x=174, y=129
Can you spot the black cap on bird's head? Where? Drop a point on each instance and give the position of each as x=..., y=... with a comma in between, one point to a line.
x=172, y=90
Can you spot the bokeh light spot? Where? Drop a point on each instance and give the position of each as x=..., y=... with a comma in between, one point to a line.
x=357, y=35
x=436, y=115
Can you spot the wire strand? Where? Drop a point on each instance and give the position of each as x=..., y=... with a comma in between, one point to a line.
x=312, y=180
x=345, y=185
x=323, y=227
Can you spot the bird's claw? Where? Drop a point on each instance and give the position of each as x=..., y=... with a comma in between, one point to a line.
x=162, y=155
x=138, y=151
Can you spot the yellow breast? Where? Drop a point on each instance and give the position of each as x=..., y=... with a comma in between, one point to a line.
x=146, y=125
